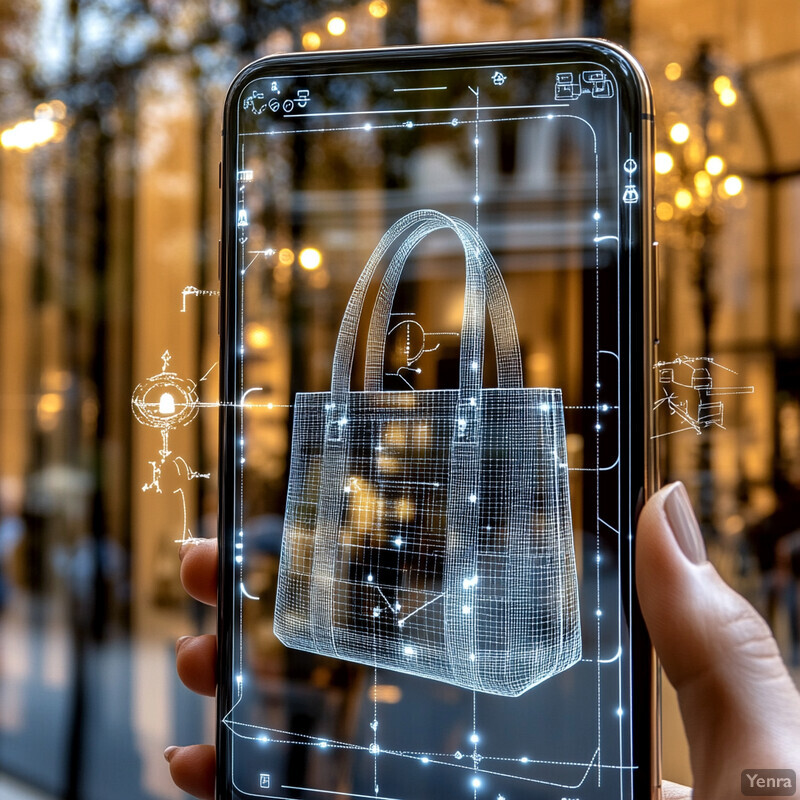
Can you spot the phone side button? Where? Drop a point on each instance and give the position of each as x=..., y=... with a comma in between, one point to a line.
x=219, y=315
x=219, y=259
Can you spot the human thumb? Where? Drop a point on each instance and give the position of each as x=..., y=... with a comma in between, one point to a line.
x=740, y=708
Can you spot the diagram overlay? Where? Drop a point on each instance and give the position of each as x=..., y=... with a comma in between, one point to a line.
x=428, y=533
x=441, y=519
x=691, y=395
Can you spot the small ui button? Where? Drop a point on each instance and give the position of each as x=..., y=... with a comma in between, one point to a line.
x=263, y=780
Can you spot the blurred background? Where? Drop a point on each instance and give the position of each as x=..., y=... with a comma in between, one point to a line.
x=110, y=114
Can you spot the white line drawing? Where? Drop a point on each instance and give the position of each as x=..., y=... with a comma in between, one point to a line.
x=187, y=533
x=404, y=588
x=698, y=408
x=193, y=291
x=414, y=340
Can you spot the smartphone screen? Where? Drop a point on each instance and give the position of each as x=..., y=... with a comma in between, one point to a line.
x=436, y=335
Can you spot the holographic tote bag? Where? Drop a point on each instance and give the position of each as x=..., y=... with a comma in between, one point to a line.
x=429, y=532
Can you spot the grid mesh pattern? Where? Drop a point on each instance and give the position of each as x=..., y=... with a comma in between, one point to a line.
x=430, y=532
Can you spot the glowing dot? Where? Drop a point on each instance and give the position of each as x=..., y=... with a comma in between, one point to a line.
x=679, y=132
x=398, y=541
x=409, y=651
x=728, y=97
x=477, y=198
x=474, y=738
x=597, y=559
x=598, y=613
x=472, y=656
x=620, y=711
x=367, y=126
x=714, y=165
x=524, y=760
x=241, y=350
x=241, y=460
x=597, y=427
x=311, y=40
x=721, y=83
x=424, y=759
x=673, y=71
x=663, y=162
x=596, y=215
x=409, y=124
x=474, y=365
x=238, y=559
x=323, y=744
x=473, y=498
x=549, y=116
x=263, y=739
x=604, y=407
x=597, y=385
x=343, y=421
x=476, y=141
x=476, y=782
x=544, y=407
x=336, y=26
x=166, y=404
x=683, y=198
x=238, y=679
x=241, y=533
x=370, y=577
x=241, y=442
x=310, y=258
x=733, y=185
x=378, y=9
x=466, y=609
x=347, y=489
x=269, y=405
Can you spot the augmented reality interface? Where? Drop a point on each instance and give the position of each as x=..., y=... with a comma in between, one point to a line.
x=432, y=424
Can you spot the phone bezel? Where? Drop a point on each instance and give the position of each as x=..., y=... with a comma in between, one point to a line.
x=646, y=733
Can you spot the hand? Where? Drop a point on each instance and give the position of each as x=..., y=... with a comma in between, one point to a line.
x=192, y=768
x=739, y=705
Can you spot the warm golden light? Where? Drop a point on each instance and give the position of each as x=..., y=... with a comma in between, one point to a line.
x=679, y=132
x=310, y=258
x=378, y=9
x=714, y=165
x=258, y=337
x=664, y=162
x=683, y=198
x=702, y=183
x=721, y=83
x=728, y=97
x=286, y=256
x=386, y=693
x=336, y=26
x=29, y=134
x=673, y=71
x=311, y=40
x=733, y=185
x=665, y=212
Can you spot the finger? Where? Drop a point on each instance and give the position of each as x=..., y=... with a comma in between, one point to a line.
x=199, y=569
x=192, y=769
x=196, y=661
x=675, y=791
x=737, y=700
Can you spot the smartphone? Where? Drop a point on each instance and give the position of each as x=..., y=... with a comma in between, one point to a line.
x=437, y=331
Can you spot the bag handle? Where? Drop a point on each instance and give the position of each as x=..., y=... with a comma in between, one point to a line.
x=501, y=314
x=479, y=263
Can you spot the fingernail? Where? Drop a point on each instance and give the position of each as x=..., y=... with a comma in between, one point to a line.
x=170, y=752
x=180, y=642
x=683, y=523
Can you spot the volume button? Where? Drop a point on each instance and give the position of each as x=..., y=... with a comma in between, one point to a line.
x=219, y=259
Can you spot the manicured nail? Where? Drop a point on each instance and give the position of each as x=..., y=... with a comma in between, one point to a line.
x=170, y=752
x=180, y=642
x=683, y=523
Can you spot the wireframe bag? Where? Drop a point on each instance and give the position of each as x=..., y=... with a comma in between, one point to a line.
x=429, y=532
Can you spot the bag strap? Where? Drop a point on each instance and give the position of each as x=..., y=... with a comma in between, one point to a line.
x=473, y=325
x=501, y=314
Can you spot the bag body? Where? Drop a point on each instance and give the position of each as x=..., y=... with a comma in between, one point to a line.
x=429, y=532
